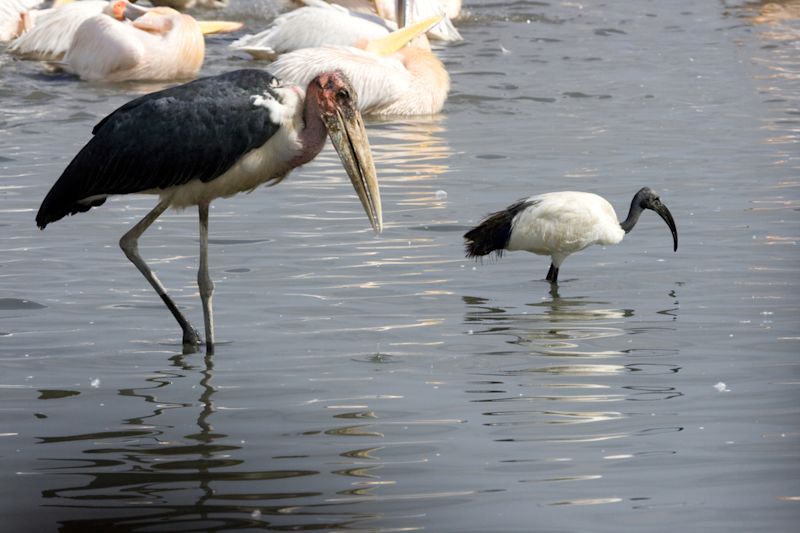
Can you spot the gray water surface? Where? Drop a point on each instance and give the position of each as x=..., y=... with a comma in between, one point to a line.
x=386, y=383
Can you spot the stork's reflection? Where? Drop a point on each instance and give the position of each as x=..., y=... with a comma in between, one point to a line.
x=160, y=470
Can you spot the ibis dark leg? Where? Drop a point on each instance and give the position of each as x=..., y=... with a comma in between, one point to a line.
x=130, y=245
x=204, y=281
x=552, y=274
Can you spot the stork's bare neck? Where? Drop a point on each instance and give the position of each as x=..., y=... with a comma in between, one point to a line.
x=313, y=135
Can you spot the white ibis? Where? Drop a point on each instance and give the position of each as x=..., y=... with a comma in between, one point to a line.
x=390, y=77
x=210, y=138
x=559, y=224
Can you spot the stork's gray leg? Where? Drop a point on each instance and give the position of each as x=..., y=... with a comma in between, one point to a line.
x=552, y=274
x=204, y=280
x=130, y=245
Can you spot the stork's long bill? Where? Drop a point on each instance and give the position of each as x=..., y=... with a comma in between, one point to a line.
x=349, y=138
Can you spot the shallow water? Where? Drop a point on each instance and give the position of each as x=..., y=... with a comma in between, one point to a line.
x=387, y=383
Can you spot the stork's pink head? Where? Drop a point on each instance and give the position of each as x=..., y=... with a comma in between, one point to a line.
x=334, y=94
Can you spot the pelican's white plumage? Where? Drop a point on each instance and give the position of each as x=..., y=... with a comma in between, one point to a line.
x=388, y=8
x=11, y=23
x=409, y=82
x=162, y=44
x=422, y=9
x=320, y=23
x=53, y=30
x=310, y=27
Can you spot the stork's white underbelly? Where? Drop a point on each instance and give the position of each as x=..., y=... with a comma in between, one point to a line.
x=266, y=163
x=270, y=162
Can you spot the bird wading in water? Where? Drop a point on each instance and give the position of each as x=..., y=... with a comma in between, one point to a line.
x=559, y=224
x=210, y=138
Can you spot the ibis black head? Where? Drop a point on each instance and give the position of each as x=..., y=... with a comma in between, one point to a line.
x=647, y=198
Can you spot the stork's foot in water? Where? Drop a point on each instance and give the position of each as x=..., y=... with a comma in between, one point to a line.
x=191, y=340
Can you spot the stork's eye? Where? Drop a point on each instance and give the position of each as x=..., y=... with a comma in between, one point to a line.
x=343, y=94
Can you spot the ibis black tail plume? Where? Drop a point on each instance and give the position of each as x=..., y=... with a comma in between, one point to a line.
x=494, y=231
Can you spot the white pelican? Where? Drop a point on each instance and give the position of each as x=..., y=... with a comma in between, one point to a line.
x=559, y=224
x=16, y=15
x=310, y=27
x=388, y=9
x=320, y=23
x=210, y=138
x=53, y=30
x=391, y=78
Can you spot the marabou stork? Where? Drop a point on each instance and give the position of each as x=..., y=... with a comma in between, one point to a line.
x=393, y=75
x=210, y=138
x=559, y=224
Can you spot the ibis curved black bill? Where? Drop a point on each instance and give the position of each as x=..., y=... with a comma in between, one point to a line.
x=664, y=213
x=349, y=138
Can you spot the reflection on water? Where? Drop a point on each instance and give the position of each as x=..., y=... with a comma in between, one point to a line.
x=555, y=327
x=132, y=478
x=154, y=469
x=554, y=383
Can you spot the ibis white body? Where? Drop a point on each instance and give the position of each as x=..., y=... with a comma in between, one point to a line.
x=559, y=224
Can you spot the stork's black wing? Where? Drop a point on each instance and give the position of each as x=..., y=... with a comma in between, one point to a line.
x=197, y=130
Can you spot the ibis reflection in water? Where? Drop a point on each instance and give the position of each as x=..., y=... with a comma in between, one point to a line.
x=211, y=138
x=559, y=224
